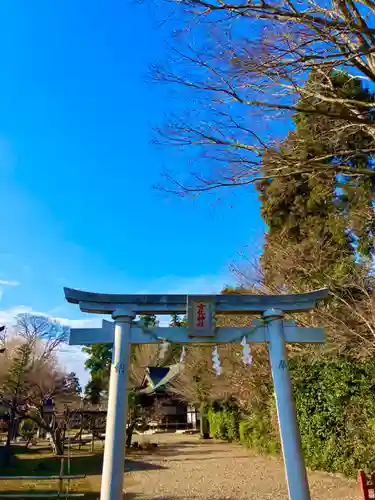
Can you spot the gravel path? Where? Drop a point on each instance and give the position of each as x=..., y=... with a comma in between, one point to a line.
x=184, y=467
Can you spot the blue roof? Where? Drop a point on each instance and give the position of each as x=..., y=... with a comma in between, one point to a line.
x=155, y=374
x=157, y=377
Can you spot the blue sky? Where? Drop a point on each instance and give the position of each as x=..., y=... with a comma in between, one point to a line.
x=77, y=165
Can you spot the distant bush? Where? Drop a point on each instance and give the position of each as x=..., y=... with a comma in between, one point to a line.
x=224, y=421
x=335, y=402
x=28, y=431
x=256, y=432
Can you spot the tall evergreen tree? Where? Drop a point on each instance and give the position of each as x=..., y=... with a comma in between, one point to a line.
x=321, y=226
x=325, y=221
x=15, y=386
x=99, y=364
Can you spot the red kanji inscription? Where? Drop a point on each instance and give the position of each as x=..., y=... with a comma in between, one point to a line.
x=201, y=316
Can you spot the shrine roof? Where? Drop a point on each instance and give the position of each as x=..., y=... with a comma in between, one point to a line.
x=158, y=377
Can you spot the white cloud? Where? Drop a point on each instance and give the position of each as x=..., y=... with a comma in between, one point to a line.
x=9, y=283
x=163, y=321
x=7, y=316
x=73, y=360
x=94, y=322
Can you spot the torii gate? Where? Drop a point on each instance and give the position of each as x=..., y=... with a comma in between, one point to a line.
x=201, y=309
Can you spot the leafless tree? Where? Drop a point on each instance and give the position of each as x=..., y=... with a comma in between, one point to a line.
x=245, y=65
x=156, y=412
x=50, y=383
x=247, y=383
x=144, y=355
x=43, y=332
x=197, y=382
x=348, y=317
x=30, y=375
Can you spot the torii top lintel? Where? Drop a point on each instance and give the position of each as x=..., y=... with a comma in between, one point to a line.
x=166, y=304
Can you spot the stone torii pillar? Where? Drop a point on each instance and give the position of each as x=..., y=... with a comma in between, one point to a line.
x=272, y=329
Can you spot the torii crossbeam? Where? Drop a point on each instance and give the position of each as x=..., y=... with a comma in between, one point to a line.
x=201, y=311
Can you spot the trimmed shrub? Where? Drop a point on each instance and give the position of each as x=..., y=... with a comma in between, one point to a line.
x=257, y=432
x=224, y=421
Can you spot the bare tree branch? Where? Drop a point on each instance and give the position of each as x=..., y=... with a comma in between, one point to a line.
x=240, y=87
x=41, y=331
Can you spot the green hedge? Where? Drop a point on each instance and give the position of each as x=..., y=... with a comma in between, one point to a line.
x=256, y=432
x=224, y=421
x=336, y=412
x=335, y=402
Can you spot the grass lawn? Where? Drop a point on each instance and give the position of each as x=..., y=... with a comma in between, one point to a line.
x=38, y=461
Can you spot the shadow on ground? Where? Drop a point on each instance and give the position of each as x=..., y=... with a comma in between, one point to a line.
x=183, y=448
x=96, y=496
x=38, y=494
x=35, y=462
x=135, y=465
x=178, y=497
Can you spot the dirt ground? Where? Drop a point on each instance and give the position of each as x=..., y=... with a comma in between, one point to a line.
x=185, y=467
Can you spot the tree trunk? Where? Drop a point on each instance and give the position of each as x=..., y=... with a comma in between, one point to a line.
x=129, y=435
x=9, y=434
x=57, y=442
x=11, y=426
x=5, y=457
x=204, y=431
x=41, y=431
